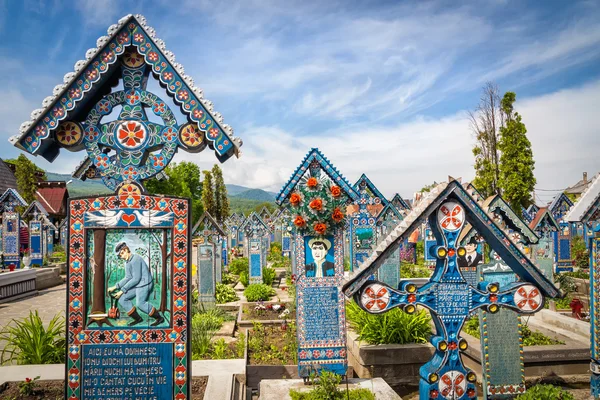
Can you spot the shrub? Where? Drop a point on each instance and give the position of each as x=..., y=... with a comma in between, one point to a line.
x=392, y=327
x=326, y=387
x=408, y=270
x=546, y=392
x=581, y=274
x=244, y=278
x=225, y=293
x=268, y=276
x=530, y=338
x=204, y=326
x=259, y=292
x=227, y=278
x=28, y=342
x=471, y=326
x=239, y=265
x=579, y=252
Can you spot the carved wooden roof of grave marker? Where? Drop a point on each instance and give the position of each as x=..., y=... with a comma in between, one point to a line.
x=496, y=204
x=543, y=218
x=373, y=192
x=132, y=148
x=255, y=223
x=389, y=211
x=37, y=209
x=484, y=223
x=525, y=216
x=207, y=226
x=400, y=203
x=533, y=209
x=561, y=200
x=11, y=199
x=587, y=207
x=315, y=159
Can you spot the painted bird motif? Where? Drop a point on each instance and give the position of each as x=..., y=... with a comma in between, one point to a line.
x=105, y=217
x=152, y=217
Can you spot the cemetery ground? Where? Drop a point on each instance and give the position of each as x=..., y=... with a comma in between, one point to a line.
x=262, y=334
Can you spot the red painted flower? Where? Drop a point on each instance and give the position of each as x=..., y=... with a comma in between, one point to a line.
x=433, y=394
x=183, y=95
x=412, y=298
x=335, y=191
x=131, y=134
x=337, y=215
x=138, y=37
x=316, y=204
x=452, y=345
x=159, y=107
x=152, y=56
x=316, y=354
x=312, y=182
x=295, y=199
x=299, y=221
x=91, y=74
x=493, y=298
x=213, y=132
x=320, y=228
x=198, y=114
x=167, y=76
x=329, y=353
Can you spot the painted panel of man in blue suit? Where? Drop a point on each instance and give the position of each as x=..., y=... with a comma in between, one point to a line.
x=137, y=284
x=320, y=267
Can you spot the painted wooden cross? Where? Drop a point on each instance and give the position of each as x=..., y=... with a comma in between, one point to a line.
x=447, y=295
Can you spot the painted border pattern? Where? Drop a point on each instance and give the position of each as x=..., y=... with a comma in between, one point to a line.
x=77, y=336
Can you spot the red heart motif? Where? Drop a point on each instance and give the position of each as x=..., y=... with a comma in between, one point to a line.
x=128, y=218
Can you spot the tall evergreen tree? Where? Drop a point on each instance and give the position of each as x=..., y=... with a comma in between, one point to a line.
x=25, y=173
x=221, y=199
x=516, y=161
x=208, y=195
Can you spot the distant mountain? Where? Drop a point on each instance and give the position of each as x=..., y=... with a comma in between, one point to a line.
x=256, y=194
x=91, y=187
x=78, y=187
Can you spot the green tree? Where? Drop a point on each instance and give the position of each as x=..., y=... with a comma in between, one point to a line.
x=25, y=173
x=184, y=181
x=221, y=199
x=486, y=121
x=208, y=194
x=516, y=161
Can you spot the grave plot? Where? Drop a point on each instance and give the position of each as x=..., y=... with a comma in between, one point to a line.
x=448, y=295
x=128, y=301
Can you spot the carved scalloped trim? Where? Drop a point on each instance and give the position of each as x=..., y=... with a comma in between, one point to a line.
x=93, y=52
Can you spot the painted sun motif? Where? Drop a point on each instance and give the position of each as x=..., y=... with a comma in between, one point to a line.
x=453, y=385
x=68, y=133
x=132, y=59
x=131, y=134
x=451, y=216
x=528, y=298
x=191, y=136
x=375, y=297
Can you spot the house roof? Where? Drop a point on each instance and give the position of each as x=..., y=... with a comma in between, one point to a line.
x=476, y=216
x=53, y=195
x=581, y=185
x=587, y=206
x=7, y=177
x=35, y=135
x=314, y=155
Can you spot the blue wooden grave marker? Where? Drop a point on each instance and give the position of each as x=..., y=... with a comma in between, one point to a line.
x=37, y=212
x=387, y=220
x=559, y=208
x=317, y=196
x=11, y=222
x=447, y=295
x=255, y=231
x=587, y=211
x=210, y=235
x=545, y=227
x=35, y=243
x=129, y=252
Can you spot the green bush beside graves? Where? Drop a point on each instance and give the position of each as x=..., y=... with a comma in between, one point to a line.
x=408, y=270
x=259, y=292
x=27, y=341
x=268, y=275
x=326, y=387
x=579, y=253
x=392, y=327
x=225, y=293
x=546, y=392
x=239, y=265
x=530, y=338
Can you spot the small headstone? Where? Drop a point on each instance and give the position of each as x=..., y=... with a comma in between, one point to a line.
x=11, y=239
x=35, y=243
x=206, y=274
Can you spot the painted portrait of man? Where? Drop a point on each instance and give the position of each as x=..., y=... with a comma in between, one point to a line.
x=319, y=257
x=136, y=285
x=472, y=257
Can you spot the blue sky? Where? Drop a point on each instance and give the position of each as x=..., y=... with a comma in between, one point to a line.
x=380, y=87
